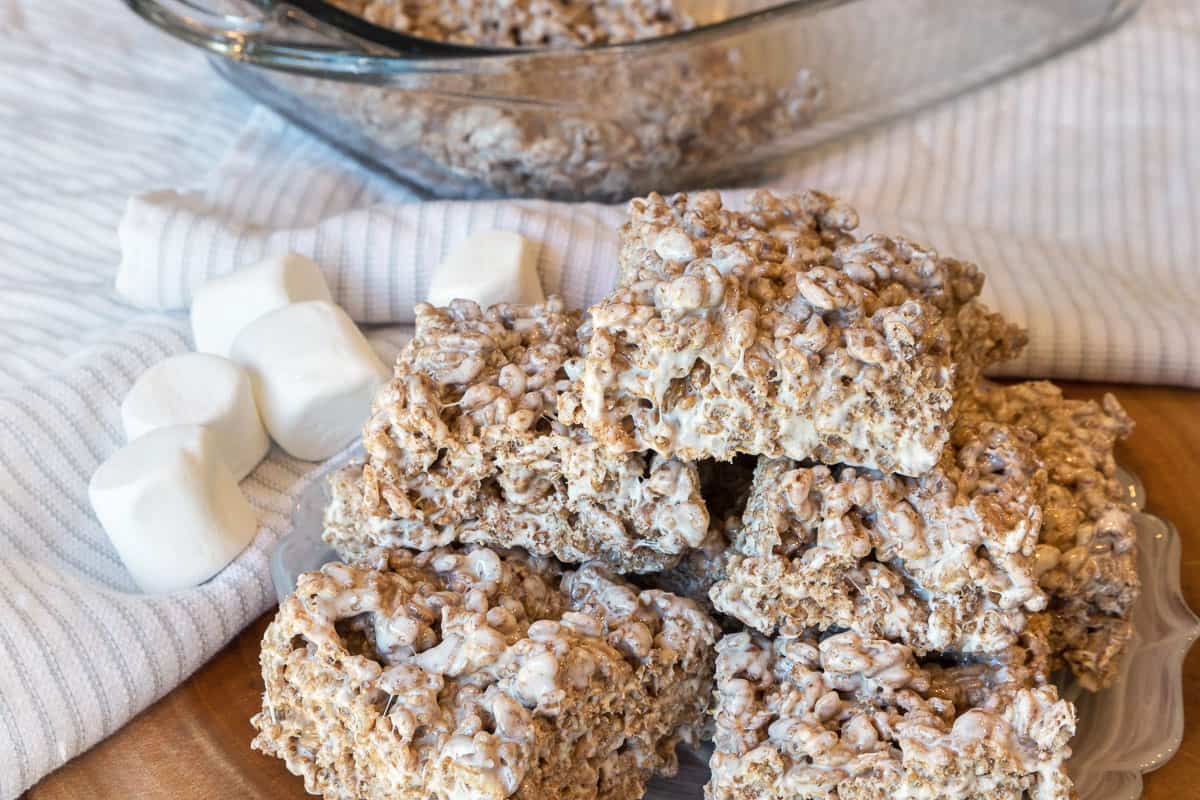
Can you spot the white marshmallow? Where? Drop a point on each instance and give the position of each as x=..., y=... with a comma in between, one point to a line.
x=172, y=508
x=200, y=389
x=490, y=267
x=314, y=375
x=222, y=307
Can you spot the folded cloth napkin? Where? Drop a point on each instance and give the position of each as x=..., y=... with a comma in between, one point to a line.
x=1073, y=185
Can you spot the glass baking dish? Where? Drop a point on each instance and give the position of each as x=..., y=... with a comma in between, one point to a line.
x=715, y=105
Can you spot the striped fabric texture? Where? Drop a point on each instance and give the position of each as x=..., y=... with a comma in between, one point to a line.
x=1074, y=185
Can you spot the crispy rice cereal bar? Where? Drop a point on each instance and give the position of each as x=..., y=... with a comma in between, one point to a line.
x=480, y=675
x=1022, y=515
x=524, y=23
x=1087, y=558
x=945, y=562
x=463, y=445
x=775, y=332
x=860, y=719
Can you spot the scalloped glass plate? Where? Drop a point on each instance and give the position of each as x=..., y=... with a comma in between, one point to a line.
x=1125, y=731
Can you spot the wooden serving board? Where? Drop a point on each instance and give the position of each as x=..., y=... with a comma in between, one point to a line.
x=194, y=743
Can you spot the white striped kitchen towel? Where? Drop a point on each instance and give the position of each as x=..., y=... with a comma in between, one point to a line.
x=1074, y=185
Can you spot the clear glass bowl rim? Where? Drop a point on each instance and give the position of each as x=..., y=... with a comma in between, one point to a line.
x=381, y=51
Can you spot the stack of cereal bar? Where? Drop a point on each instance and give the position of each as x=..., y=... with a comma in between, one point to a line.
x=759, y=493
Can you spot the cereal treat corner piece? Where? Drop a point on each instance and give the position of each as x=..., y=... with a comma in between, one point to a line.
x=1087, y=553
x=851, y=718
x=944, y=562
x=456, y=674
x=772, y=331
x=464, y=445
x=981, y=338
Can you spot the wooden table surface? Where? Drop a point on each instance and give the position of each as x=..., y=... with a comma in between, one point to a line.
x=195, y=742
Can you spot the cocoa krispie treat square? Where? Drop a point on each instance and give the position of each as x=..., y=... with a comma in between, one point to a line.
x=1087, y=552
x=774, y=331
x=464, y=445
x=943, y=563
x=856, y=718
x=1023, y=514
x=475, y=674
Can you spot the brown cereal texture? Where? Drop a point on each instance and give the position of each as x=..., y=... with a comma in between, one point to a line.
x=669, y=127
x=669, y=119
x=524, y=23
x=700, y=568
x=856, y=718
x=944, y=562
x=774, y=331
x=1087, y=554
x=463, y=445
x=725, y=488
x=1024, y=514
x=472, y=674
